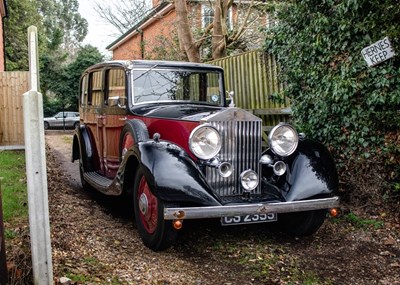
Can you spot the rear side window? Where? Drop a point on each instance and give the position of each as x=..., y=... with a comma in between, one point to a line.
x=115, y=84
x=95, y=96
x=84, y=90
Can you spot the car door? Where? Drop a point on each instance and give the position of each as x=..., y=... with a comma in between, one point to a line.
x=113, y=118
x=92, y=100
x=58, y=120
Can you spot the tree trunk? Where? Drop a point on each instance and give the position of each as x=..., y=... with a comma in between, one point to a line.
x=185, y=36
x=220, y=29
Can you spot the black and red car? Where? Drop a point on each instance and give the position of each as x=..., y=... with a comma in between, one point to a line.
x=162, y=134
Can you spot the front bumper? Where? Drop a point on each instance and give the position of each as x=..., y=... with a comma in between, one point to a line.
x=249, y=209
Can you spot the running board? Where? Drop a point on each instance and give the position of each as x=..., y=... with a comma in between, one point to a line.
x=98, y=181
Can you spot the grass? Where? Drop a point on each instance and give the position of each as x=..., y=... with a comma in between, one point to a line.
x=13, y=185
x=363, y=223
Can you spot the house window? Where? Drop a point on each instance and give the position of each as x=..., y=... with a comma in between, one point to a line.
x=207, y=16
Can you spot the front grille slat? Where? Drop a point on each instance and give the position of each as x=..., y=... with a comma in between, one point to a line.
x=241, y=146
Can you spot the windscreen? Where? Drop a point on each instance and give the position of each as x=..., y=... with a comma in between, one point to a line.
x=152, y=85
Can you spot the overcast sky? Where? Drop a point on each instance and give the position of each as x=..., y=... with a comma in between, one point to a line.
x=99, y=34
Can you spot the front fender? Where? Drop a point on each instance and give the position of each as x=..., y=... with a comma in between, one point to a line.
x=173, y=175
x=311, y=172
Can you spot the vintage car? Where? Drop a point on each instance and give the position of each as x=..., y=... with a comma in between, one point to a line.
x=62, y=120
x=162, y=134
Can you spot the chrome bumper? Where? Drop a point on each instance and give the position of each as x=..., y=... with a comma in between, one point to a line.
x=248, y=209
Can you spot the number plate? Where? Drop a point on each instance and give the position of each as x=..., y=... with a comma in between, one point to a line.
x=249, y=219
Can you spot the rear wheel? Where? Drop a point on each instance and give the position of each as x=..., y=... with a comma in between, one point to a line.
x=155, y=232
x=301, y=223
x=46, y=125
x=85, y=185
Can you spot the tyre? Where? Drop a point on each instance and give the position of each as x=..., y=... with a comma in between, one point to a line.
x=133, y=132
x=46, y=125
x=76, y=125
x=85, y=185
x=155, y=232
x=301, y=223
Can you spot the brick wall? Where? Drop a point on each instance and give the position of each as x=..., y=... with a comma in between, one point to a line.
x=154, y=36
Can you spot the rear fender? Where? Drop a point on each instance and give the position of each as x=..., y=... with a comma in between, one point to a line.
x=172, y=174
x=82, y=148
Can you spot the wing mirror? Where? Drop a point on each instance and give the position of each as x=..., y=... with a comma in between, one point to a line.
x=117, y=101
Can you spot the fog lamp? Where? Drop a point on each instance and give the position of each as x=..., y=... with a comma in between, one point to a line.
x=225, y=169
x=249, y=180
x=279, y=168
x=266, y=159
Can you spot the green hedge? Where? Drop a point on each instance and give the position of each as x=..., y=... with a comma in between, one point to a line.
x=336, y=98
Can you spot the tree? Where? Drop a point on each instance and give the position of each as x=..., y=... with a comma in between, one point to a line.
x=122, y=14
x=59, y=26
x=66, y=87
x=21, y=15
x=186, y=40
x=223, y=38
x=61, y=17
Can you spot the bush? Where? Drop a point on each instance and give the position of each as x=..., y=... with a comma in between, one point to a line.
x=336, y=98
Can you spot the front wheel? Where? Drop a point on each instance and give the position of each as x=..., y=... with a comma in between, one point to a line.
x=46, y=125
x=155, y=232
x=301, y=223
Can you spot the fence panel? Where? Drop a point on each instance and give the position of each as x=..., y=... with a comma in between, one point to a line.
x=13, y=84
x=253, y=78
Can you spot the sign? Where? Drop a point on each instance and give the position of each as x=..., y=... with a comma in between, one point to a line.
x=378, y=52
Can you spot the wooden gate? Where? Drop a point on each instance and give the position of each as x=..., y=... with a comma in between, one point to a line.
x=13, y=84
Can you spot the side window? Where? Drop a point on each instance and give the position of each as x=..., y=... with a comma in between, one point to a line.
x=84, y=90
x=115, y=85
x=95, y=95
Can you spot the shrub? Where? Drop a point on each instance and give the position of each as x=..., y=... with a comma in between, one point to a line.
x=336, y=98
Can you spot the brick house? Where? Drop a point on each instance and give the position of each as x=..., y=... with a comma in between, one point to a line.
x=155, y=36
x=3, y=13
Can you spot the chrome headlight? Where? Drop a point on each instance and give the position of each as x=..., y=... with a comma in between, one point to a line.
x=205, y=142
x=283, y=140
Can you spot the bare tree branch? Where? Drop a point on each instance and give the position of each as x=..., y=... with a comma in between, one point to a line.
x=122, y=14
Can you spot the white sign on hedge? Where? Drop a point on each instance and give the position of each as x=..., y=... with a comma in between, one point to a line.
x=378, y=52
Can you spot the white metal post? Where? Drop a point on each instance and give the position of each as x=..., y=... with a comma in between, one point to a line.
x=36, y=172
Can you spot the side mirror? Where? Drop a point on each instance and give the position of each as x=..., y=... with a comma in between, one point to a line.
x=117, y=101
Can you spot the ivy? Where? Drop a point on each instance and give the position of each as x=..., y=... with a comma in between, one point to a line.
x=336, y=98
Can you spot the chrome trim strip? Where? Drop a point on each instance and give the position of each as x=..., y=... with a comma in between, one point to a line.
x=248, y=209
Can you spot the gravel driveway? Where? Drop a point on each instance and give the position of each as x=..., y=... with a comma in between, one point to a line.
x=95, y=242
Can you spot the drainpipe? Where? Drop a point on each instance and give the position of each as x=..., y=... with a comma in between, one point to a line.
x=140, y=31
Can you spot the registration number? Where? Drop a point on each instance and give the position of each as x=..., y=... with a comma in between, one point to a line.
x=249, y=219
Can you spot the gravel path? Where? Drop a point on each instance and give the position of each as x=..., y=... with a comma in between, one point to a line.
x=94, y=242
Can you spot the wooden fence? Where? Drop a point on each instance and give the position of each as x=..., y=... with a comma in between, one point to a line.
x=13, y=85
x=253, y=78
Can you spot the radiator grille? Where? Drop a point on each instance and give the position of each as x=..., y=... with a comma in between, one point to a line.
x=241, y=146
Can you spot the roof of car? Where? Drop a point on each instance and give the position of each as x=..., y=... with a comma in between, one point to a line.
x=130, y=64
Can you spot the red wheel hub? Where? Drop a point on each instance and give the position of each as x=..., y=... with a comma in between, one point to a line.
x=148, y=209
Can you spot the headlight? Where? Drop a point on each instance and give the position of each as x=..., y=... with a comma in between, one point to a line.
x=205, y=142
x=283, y=140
